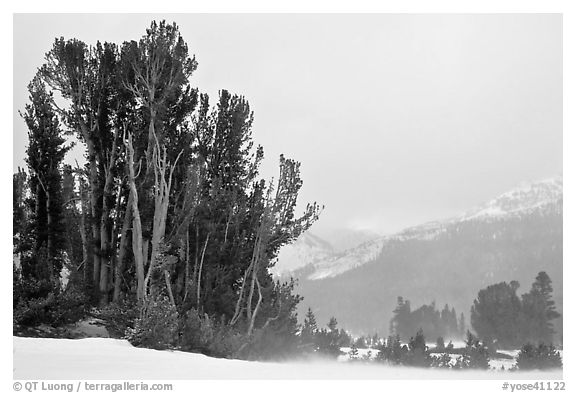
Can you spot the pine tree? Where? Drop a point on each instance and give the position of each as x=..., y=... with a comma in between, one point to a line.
x=440, y=344
x=475, y=354
x=453, y=323
x=401, y=323
x=309, y=330
x=20, y=212
x=418, y=355
x=310, y=325
x=353, y=353
x=495, y=315
x=328, y=340
x=45, y=154
x=333, y=324
x=461, y=325
x=538, y=311
x=445, y=318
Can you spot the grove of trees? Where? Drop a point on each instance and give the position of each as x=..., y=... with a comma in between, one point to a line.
x=168, y=210
x=433, y=323
x=503, y=319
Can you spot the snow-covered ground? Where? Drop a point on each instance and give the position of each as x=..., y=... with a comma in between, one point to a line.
x=106, y=358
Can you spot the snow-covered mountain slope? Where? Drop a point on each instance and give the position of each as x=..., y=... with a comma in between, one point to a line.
x=526, y=199
x=307, y=250
x=110, y=359
x=346, y=260
x=316, y=246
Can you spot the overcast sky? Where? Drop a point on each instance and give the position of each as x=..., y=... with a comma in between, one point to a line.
x=397, y=119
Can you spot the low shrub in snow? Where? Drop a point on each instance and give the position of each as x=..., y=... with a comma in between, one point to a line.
x=119, y=317
x=442, y=361
x=541, y=357
x=200, y=333
x=157, y=326
x=37, y=302
x=392, y=351
x=418, y=355
x=353, y=353
x=414, y=354
x=475, y=356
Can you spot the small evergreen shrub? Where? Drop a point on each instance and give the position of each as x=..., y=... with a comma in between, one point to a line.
x=226, y=342
x=328, y=343
x=119, y=317
x=541, y=357
x=475, y=355
x=367, y=357
x=272, y=343
x=54, y=308
x=418, y=355
x=391, y=351
x=203, y=334
x=353, y=353
x=442, y=361
x=157, y=326
x=32, y=312
x=69, y=307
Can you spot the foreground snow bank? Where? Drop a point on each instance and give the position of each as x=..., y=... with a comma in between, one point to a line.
x=105, y=358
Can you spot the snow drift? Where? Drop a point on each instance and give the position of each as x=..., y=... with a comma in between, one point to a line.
x=105, y=358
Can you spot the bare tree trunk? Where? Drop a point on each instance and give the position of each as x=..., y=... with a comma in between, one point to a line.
x=187, y=267
x=137, y=243
x=161, y=200
x=93, y=183
x=113, y=243
x=104, y=262
x=122, y=249
x=50, y=242
x=247, y=273
x=169, y=287
x=83, y=235
x=94, y=218
x=256, y=309
x=195, y=274
x=255, y=263
x=104, y=218
x=200, y=272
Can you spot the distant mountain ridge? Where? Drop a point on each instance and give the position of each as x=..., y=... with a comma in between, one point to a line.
x=511, y=237
x=311, y=248
x=521, y=200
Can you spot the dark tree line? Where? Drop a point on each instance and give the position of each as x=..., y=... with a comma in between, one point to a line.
x=169, y=204
x=433, y=323
x=503, y=319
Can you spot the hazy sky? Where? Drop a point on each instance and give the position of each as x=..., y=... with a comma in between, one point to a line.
x=397, y=119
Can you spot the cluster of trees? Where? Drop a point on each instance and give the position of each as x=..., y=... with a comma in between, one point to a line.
x=503, y=319
x=432, y=322
x=538, y=357
x=322, y=341
x=169, y=204
x=417, y=354
x=474, y=355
